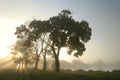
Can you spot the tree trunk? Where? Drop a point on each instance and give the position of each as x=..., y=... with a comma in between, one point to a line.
x=56, y=55
x=25, y=63
x=36, y=63
x=44, y=63
x=57, y=64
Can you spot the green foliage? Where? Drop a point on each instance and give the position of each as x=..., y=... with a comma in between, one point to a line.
x=66, y=32
x=38, y=28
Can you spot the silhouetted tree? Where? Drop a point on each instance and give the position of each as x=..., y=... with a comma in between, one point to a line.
x=63, y=31
x=39, y=34
x=23, y=32
x=66, y=32
x=34, y=33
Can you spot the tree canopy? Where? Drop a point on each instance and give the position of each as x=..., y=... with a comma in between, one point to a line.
x=57, y=32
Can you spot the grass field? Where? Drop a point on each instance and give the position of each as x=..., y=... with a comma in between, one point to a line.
x=63, y=75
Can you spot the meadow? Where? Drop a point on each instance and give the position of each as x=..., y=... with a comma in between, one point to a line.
x=63, y=75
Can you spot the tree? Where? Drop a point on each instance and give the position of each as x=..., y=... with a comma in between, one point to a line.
x=66, y=32
x=24, y=33
x=21, y=54
x=63, y=31
x=34, y=33
x=40, y=37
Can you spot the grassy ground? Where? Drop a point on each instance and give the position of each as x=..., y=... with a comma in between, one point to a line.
x=64, y=75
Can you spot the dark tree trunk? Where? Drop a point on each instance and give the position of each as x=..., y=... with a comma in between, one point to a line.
x=44, y=63
x=57, y=64
x=36, y=63
x=56, y=55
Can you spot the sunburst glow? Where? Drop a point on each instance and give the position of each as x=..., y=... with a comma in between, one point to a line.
x=7, y=37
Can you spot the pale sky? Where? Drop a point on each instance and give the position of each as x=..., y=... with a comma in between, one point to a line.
x=103, y=17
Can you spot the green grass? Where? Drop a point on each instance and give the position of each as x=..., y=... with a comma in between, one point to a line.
x=63, y=75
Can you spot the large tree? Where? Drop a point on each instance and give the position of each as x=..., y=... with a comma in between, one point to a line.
x=66, y=32
x=62, y=31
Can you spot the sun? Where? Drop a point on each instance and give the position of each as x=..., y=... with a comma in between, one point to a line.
x=4, y=51
x=5, y=43
x=7, y=37
x=65, y=56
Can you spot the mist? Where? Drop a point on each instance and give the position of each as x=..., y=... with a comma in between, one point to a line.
x=73, y=65
x=98, y=65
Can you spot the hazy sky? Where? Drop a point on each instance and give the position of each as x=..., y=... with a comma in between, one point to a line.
x=103, y=17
